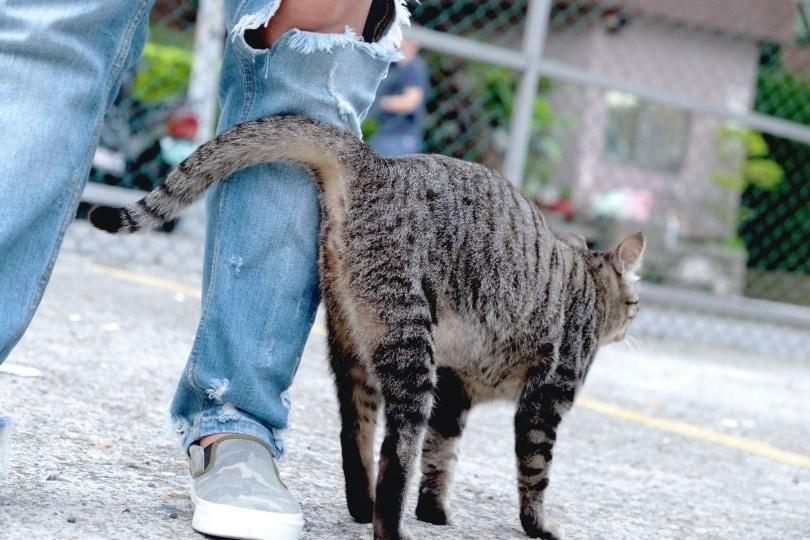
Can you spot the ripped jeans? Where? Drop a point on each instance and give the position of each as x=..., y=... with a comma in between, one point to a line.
x=62, y=62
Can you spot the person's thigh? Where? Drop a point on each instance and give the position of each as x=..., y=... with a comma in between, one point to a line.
x=60, y=65
x=260, y=276
x=324, y=16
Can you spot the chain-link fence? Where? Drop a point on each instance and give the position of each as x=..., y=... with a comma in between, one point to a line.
x=689, y=120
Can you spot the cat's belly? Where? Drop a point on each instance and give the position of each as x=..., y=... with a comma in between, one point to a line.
x=468, y=349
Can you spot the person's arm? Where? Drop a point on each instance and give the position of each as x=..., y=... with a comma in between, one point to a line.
x=406, y=102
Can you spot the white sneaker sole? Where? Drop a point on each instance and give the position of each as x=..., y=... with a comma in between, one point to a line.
x=243, y=523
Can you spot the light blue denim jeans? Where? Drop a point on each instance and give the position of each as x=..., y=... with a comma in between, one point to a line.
x=61, y=63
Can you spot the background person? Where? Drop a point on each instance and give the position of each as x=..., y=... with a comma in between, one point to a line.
x=400, y=107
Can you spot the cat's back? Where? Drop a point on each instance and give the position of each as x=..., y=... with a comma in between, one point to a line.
x=427, y=194
x=433, y=171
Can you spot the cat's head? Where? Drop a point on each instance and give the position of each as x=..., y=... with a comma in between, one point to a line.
x=618, y=272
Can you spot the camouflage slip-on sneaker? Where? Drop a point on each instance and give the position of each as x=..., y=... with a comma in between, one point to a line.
x=237, y=492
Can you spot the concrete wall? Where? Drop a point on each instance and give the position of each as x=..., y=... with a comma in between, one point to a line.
x=692, y=64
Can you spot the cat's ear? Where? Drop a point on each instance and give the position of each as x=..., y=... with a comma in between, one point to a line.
x=627, y=257
x=574, y=240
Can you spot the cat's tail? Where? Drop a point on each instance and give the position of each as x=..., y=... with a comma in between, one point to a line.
x=325, y=149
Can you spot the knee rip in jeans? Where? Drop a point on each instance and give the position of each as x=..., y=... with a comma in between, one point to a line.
x=247, y=29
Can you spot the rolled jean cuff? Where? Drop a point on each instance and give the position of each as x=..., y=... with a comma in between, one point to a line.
x=227, y=419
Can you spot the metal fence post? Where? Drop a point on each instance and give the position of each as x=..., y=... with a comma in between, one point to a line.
x=209, y=36
x=534, y=38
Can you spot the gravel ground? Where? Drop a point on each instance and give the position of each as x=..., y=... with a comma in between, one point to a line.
x=92, y=456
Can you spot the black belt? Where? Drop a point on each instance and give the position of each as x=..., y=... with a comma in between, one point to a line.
x=380, y=15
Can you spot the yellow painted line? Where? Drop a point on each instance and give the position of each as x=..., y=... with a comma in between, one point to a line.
x=685, y=429
x=691, y=431
x=146, y=279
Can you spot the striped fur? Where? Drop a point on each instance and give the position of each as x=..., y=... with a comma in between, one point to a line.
x=443, y=288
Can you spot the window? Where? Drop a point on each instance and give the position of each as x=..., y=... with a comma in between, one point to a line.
x=645, y=134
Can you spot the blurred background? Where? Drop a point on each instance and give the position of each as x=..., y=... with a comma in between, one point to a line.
x=689, y=120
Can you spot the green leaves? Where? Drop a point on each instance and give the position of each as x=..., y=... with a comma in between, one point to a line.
x=766, y=174
x=747, y=147
x=164, y=72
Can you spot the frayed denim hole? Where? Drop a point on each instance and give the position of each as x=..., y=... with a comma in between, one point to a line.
x=250, y=17
x=246, y=42
x=254, y=38
x=251, y=41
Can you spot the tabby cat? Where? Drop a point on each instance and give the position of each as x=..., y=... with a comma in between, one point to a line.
x=441, y=284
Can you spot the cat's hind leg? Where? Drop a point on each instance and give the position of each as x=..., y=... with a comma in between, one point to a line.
x=404, y=364
x=358, y=398
x=540, y=409
x=447, y=420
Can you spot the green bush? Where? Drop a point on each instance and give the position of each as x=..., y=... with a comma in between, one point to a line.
x=163, y=72
x=777, y=225
x=758, y=170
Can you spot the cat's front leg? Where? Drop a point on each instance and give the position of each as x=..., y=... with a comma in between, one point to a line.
x=439, y=449
x=540, y=409
x=404, y=365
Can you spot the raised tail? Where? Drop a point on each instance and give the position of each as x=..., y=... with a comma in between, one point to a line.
x=326, y=150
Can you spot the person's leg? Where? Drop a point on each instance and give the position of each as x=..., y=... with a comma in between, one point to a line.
x=61, y=63
x=260, y=275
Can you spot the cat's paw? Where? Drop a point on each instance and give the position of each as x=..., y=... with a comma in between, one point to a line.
x=536, y=528
x=401, y=534
x=361, y=507
x=431, y=510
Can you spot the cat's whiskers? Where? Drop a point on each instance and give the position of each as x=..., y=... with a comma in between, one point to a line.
x=634, y=343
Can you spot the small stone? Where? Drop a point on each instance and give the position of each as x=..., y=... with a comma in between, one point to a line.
x=151, y=484
x=126, y=511
x=71, y=519
x=173, y=515
x=52, y=477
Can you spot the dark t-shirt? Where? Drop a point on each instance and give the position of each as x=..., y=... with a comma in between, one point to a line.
x=400, y=77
